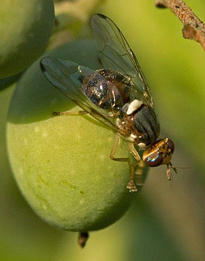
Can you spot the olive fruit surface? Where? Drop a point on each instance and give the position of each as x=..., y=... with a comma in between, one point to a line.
x=62, y=164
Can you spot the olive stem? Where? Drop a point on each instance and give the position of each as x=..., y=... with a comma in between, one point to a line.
x=81, y=9
x=194, y=28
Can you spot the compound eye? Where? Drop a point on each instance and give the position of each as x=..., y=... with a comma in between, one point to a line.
x=170, y=144
x=154, y=159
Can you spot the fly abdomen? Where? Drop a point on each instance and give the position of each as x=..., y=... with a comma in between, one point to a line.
x=107, y=89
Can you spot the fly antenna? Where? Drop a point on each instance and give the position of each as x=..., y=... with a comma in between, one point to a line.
x=170, y=166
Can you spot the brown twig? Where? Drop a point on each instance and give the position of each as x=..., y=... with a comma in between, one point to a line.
x=194, y=28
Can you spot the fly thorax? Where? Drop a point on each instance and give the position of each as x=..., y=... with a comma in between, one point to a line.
x=125, y=124
x=145, y=123
x=133, y=106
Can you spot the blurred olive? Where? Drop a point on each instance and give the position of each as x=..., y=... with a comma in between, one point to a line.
x=25, y=29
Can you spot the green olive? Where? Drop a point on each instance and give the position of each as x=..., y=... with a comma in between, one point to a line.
x=62, y=164
x=25, y=29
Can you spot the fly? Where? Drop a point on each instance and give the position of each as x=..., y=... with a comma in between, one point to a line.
x=117, y=95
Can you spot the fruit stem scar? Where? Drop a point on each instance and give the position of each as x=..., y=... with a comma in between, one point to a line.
x=83, y=238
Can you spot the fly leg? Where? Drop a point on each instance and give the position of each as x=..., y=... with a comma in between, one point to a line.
x=67, y=113
x=131, y=184
x=139, y=172
x=139, y=163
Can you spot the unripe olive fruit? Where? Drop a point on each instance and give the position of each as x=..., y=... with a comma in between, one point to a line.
x=62, y=164
x=25, y=28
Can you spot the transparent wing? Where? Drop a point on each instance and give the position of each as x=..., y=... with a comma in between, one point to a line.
x=115, y=53
x=65, y=76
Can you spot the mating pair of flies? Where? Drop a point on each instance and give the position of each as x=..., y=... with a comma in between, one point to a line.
x=117, y=96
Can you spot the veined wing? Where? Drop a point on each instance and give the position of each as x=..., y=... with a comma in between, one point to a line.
x=115, y=53
x=65, y=76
